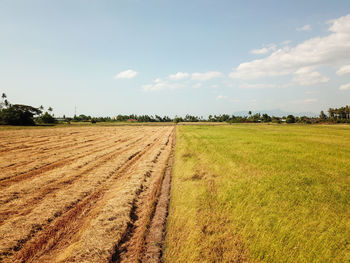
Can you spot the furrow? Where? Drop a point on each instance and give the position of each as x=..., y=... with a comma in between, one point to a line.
x=53, y=165
x=97, y=162
x=54, y=232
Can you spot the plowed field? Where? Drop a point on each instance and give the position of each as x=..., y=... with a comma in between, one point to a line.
x=87, y=194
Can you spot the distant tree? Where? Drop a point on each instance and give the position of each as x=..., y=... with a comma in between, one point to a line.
x=266, y=118
x=250, y=113
x=158, y=118
x=49, y=109
x=290, y=119
x=255, y=118
x=178, y=119
x=4, y=101
x=47, y=118
x=190, y=118
x=322, y=115
x=276, y=119
x=224, y=117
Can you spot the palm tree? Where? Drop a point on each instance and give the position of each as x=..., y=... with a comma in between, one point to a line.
x=3, y=96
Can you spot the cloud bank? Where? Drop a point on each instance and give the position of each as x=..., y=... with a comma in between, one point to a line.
x=330, y=50
x=344, y=70
x=179, y=76
x=264, y=50
x=305, y=64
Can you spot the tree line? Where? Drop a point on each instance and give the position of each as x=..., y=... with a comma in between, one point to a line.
x=19, y=114
x=339, y=113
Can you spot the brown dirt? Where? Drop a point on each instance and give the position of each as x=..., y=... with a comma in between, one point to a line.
x=92, y=194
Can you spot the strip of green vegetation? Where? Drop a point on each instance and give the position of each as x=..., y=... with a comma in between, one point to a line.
x=260, y=193
x=85, y=124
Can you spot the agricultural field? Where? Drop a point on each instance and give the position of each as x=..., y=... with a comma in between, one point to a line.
x=84, y=194
x=239, y=193
x=260, y=193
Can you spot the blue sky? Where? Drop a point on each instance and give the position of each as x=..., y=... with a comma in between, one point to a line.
x=175, y=57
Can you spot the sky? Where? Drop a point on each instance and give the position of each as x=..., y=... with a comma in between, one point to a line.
x=104, y=58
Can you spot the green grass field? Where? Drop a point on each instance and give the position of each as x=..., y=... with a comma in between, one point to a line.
x=260, y=193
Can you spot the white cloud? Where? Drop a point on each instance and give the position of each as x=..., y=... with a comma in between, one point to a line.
x=197, y=86
x=221, y=97
x=257, y=86
x=264, y=50
x=345, y=87
x=206, y=76
x=344, y=70
x=329, y=50
x=179, y=76
x=127, y=74
x=160, y=84
x=307, y=77
x=304, y=28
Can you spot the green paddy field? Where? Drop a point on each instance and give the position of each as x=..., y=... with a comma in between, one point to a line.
x=260, y=193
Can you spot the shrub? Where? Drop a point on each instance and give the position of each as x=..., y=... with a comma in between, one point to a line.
x=47, y=118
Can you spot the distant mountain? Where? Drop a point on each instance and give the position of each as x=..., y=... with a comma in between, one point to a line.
x=276, y=112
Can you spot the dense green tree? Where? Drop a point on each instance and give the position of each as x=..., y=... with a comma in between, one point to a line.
x=255, y=118
x=19, y=114
x=290, y=119
x=47, y=118
x=265, y=118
